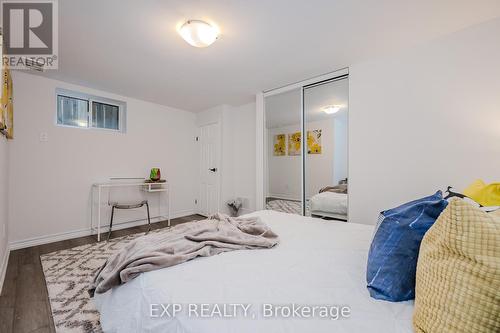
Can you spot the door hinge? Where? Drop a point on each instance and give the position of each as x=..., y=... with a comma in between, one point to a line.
x=195, y=201
x=197, y=139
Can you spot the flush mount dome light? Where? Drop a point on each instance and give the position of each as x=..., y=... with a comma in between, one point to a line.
x=331, y=109
x=198, y=33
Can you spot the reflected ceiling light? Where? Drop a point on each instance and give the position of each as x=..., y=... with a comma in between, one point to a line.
x=331, y=109
x=198, y=33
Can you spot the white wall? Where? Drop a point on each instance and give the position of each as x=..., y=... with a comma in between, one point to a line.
x=227, y=171
x=237, y=160
x=424, y=119
x=50, y=181
x=4, y=240
x=244, y=155
x=284, y=172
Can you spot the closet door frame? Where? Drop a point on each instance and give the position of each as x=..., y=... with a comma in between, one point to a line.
x=261, y=144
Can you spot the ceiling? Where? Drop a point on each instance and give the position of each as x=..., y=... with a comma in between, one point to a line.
x=132, y=47
x=284, y=109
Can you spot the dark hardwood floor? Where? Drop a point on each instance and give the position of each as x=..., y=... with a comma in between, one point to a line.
x=24, y=303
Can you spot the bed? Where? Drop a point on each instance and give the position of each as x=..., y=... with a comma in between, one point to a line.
x=317, y=263
x=329, y=204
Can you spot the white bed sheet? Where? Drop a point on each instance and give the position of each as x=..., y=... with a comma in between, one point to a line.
x=329, y=202
x=317, y=263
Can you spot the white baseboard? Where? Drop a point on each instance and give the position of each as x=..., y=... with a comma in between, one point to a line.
x=3, y=267
x=283, y=197
x=46, y=239
x=21, y=244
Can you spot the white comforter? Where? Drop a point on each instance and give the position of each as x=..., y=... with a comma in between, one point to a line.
x=329, y=202
x=317, y=263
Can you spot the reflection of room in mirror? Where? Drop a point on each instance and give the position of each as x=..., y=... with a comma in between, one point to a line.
x=325, y=108
x=283, y=172
x=325, y=123
x=314, y=141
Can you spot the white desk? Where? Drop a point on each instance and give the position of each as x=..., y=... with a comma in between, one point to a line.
x=147, y=187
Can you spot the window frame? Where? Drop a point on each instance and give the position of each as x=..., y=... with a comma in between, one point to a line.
x=122, y=109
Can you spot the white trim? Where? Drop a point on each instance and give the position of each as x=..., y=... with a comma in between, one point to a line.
x=303, y=157
x=21, y=244
x=3, y=267
x=300, y=84
x=284, y=197
x=259, y=152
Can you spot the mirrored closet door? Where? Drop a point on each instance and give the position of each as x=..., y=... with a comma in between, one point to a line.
x=283, y=162
x=325, y=165
x=306, y=149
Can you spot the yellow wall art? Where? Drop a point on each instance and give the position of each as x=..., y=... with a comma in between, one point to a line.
x=279, y=145
x=6, y=105
x=294, y=144
x=2, y=121
x=314, y=142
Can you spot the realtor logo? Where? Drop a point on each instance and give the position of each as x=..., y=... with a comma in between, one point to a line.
x=30, y=34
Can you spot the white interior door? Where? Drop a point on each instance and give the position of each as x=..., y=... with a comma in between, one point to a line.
x=209, y=140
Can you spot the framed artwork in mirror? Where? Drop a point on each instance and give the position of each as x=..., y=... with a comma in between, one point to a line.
x=280, y=145
x=294, y=144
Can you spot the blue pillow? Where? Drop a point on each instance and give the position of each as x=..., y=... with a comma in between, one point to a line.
x=392, y=260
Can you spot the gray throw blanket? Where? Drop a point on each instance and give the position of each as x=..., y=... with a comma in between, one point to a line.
x=342, y=188
x=220, y=233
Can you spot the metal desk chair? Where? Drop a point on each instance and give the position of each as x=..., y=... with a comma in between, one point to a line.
x=127, y=198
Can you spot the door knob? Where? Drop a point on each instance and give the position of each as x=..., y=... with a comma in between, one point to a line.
x=213, y=169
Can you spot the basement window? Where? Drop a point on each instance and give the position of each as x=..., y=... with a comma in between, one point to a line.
x=81, y=110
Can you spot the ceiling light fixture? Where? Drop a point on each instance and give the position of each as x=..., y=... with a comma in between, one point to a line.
x=331, y=109
x=198, y=33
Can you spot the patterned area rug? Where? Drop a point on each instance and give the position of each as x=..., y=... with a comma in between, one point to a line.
x=68, y=274
x=287, y=206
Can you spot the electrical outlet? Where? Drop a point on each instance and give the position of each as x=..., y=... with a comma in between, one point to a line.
x=44, y=137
